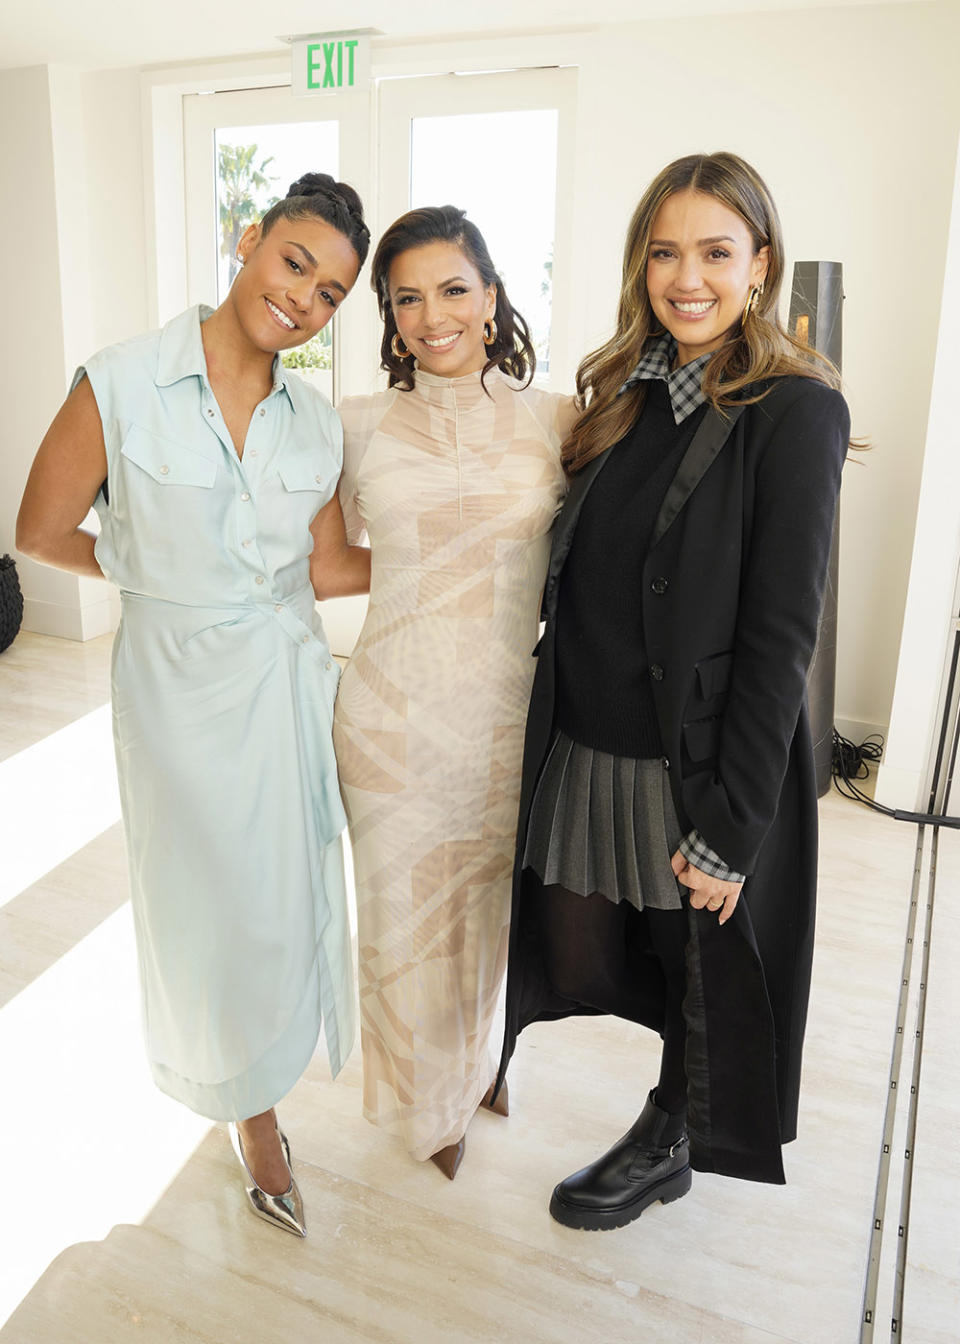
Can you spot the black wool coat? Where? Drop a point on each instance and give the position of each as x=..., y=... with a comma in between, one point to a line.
x=731, y=593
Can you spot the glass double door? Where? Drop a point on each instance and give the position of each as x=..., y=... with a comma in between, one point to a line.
x=497, y=145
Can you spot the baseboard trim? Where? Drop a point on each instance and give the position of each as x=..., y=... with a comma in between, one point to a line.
x=101, y=618
x=79, y=623
x=898, y=788
x=52, y=618
x=855, y=730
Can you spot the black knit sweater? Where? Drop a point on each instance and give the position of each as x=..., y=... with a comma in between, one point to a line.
x=604, y=696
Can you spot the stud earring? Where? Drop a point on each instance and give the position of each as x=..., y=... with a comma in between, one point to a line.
x=397, y=347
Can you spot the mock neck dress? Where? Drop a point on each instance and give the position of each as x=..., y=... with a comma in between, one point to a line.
x=223, y=688
x=457, y=489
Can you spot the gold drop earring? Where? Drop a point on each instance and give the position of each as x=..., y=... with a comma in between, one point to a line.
x=753, y=301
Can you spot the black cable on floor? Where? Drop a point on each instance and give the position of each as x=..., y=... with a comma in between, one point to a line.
x=850, y=763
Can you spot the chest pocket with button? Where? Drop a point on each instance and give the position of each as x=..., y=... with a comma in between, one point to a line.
x=309, y=471
x=166, y=461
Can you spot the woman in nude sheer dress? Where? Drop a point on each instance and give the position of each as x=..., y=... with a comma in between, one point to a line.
x=454, y=473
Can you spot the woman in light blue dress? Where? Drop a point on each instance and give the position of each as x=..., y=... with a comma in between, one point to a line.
x=213, y=472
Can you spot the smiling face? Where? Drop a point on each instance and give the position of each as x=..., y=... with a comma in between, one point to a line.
x=440, y=304
x=701, y=266
x=292, y=282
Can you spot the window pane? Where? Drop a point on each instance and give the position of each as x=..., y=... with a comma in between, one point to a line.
x=255, y=167
x=471, y=161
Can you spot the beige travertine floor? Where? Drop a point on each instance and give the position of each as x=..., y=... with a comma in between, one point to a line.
x=123, y=1217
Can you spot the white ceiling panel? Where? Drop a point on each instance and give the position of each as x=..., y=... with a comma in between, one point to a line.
x=95, y=34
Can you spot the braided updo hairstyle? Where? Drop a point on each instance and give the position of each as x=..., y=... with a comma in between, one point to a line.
x=512, y=351
x=317, y=195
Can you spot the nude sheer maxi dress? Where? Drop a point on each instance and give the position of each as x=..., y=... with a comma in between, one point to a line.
x=457, y=491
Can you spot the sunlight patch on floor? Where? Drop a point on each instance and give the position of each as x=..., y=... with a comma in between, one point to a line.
x=74, y=1035
x=62, y=792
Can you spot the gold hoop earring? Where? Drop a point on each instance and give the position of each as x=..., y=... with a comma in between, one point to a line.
x=753, y=301
x=490, y=332
x=403, y=353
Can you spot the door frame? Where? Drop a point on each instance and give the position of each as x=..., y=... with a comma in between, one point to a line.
x=162, y=122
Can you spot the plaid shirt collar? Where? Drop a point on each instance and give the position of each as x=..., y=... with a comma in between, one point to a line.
x=683, y=384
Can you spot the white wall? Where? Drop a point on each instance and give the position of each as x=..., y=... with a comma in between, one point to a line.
x=31, y=339
x=113, y=165
x=72, y=198
x=928, y=620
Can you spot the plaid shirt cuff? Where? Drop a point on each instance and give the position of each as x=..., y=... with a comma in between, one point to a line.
x=696, y=851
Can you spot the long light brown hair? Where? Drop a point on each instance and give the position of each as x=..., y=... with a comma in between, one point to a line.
x=757, y=348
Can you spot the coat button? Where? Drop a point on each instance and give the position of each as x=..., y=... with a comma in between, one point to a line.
x=656, y=671
x=164, y=470
x=659, y=585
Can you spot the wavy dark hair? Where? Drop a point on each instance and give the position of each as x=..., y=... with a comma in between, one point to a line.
x=757, y=348
x=318, y=196
x=512, y=351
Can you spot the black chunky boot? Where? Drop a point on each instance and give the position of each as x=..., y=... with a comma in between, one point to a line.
x=650, y=1162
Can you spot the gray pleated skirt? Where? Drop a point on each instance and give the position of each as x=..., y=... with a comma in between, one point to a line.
x=602, y=823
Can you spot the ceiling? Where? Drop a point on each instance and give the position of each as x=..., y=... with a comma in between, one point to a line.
x=99, y=33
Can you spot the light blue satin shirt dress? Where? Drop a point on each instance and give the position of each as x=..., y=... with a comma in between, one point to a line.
x=223, y=691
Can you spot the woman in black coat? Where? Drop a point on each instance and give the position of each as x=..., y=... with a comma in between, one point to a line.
x=667, y=846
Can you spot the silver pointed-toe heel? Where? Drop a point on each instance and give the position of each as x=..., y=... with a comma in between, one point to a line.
x=284, y=1211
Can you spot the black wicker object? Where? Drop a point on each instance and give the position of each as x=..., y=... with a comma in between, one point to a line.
x=11, y=602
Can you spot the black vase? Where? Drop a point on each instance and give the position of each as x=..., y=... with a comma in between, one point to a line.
x=11, y=602
x=816, y=318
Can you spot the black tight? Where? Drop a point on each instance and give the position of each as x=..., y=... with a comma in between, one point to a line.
x=587, y=944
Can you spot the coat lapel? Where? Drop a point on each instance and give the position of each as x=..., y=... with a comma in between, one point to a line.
x=712, y=434
x=566, y=525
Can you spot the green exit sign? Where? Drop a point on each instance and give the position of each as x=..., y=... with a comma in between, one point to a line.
x=330, y=64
